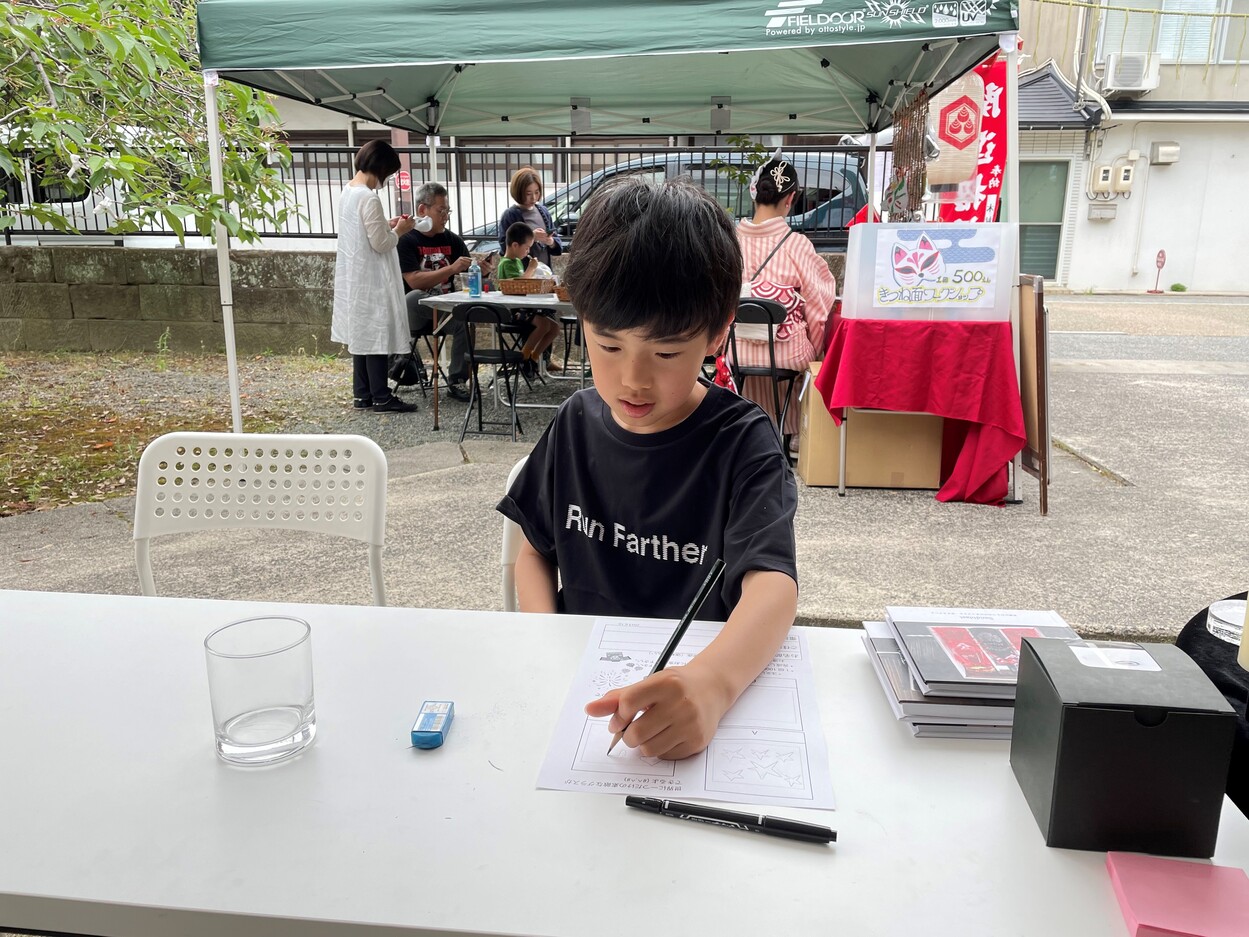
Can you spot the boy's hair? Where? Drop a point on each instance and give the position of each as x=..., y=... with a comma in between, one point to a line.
x=429, y=191
x=522, y=179
x=659, y=257
x=774, y=180
x=518, y=233
x=378, y=158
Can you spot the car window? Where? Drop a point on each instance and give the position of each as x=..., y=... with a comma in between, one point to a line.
x=576, y=209
x=10, y=189
x=733, y=196
x=51, y=192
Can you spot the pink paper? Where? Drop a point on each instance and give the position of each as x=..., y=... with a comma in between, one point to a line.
x=1174, y=898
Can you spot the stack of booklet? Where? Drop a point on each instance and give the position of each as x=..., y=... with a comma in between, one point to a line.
x=950, y=672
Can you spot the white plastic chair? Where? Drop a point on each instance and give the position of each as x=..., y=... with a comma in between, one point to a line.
x=214, y=481
x=513, y=537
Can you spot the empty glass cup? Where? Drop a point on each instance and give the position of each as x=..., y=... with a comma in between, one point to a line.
x=260, y=684
x=1226, y=620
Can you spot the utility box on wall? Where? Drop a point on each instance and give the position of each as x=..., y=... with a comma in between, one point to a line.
x=1102, y=212
x=1164, y=153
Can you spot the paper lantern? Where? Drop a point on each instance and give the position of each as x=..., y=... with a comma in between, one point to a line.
x=955, y=114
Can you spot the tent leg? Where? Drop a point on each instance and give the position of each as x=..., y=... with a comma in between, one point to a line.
x=222, y=237
x=1009, y=43
x=871, y=180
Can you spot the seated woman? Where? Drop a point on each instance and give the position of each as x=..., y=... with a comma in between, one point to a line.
x=525, y=188
x=526, y=191
x=777, y=263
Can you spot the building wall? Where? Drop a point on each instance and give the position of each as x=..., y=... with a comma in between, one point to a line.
x=1191, y=209
x=1052, y=30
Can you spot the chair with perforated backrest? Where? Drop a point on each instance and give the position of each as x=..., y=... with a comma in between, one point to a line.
x=512, y=539
x=216, y=481
x=768, y=314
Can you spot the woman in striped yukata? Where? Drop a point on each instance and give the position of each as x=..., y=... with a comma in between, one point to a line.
x=781, y=264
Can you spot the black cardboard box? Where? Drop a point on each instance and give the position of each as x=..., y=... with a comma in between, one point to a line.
x=1130, y=757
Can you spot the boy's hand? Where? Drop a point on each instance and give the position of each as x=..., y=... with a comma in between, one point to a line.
x=682, y=707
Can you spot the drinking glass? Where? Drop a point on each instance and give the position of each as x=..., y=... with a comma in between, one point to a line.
x=1226, y=620
x=260, y=685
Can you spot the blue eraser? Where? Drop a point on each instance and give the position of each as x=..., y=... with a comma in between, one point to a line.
x=433, y=723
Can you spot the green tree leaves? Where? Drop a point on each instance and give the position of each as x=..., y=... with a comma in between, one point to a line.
x=107, y=95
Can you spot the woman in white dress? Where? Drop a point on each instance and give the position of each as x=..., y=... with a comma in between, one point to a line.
x=370, y=316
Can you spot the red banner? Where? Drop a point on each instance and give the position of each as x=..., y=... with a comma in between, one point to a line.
x=985, y=189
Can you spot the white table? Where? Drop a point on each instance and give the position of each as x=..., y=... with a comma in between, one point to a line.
x=116, y=818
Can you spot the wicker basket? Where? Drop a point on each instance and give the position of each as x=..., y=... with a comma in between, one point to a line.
x=520, y=286
x=562, y=294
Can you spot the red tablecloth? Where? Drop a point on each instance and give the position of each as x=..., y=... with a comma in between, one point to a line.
x=963, y=371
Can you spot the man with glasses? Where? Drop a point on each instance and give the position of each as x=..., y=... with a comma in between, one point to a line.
x=430, y=257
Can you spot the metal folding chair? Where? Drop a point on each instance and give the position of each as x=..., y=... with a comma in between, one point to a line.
x=504, y=360
x=771, y=314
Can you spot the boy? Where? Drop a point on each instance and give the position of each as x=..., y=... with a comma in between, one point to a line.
x=516, y=263
x=640, y=482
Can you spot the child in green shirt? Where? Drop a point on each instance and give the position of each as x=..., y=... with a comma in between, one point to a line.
x=515, y=263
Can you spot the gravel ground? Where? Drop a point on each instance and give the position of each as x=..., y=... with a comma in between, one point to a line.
x=326, y=408
x=288, y=393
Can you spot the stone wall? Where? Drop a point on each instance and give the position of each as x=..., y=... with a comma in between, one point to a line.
x=142, y=299
x=114, y=298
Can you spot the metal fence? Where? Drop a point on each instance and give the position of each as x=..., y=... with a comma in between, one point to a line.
x=834, y=187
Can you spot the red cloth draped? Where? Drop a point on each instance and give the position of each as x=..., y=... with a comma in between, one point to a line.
x=962, y=371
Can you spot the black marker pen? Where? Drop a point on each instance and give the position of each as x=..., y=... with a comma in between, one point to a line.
x=772, y=826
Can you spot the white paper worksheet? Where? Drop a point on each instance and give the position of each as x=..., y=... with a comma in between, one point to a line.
x=769, y=748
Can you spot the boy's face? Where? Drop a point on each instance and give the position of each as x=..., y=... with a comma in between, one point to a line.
x=515, y=250
x=650, y=384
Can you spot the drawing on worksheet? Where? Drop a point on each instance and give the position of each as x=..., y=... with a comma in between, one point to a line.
x=769, y=747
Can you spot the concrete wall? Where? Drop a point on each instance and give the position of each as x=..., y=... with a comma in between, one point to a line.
x=115, y=298
x=136, y=299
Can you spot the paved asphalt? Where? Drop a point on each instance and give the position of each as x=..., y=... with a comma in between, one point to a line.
x=1149, y=506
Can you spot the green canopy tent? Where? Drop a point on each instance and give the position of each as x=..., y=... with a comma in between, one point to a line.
x=569, y=67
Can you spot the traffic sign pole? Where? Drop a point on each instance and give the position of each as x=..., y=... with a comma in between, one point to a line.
x=1160, y=261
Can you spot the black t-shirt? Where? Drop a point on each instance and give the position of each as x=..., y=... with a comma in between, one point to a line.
x=634, y=521
x=419, y=253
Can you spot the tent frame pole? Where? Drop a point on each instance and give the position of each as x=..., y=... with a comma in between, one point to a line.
x=1009, y=43
x=222, y=237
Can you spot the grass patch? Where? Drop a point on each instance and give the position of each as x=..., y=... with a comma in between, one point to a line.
x=72, y=426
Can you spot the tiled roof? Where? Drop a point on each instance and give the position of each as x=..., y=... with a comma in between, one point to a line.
x=1047, y=102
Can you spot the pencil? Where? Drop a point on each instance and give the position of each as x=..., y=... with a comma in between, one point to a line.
x=717, y=570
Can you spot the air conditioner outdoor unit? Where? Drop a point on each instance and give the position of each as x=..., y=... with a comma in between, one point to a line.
x=1130, y=72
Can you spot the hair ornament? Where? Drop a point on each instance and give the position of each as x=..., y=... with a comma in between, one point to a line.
x=758, y=171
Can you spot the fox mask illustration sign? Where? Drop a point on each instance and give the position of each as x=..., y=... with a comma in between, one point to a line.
x=942, y=265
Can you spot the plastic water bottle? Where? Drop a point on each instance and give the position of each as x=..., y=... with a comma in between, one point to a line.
x=474, y=280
